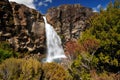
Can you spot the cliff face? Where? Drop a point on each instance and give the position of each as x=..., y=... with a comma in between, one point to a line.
x=29, y=25
x=69, y=20
x=26, y=33
x=24, y=27
x=6, y=19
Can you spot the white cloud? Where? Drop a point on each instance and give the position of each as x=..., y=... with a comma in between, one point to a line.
x=40, y=3
x=44, y=2
x=29, y=3
x=48, y=1
x=96, y=9
x=98, y=6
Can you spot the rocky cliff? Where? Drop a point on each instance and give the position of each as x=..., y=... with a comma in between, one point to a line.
x=26, y=33
x=24, y=27
x=6, y=20
x=69, y=20
x=29, y=25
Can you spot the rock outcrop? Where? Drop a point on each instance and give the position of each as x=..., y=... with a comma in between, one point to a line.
x=27, y=31
x=24, y=27
x=69, y=20
x=29, y=25
x=6, y=20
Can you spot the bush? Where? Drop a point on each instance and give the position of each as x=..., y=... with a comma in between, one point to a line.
x=20, y=69
x=81, y=67
x=103, y=38
x=31, y=69
x=72, y=48
x=6, y=51
x=53, y=71
x=100, y=46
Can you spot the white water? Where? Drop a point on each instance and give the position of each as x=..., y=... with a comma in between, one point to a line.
x=54, y=47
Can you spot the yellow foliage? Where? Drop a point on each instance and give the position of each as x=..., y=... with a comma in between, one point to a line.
x=54, y=71
x=31, y=69
x=20, y=69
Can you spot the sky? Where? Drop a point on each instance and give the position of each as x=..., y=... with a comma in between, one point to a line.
x=44, y=5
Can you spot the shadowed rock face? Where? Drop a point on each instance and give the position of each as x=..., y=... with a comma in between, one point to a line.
x=6, y=19
x=69, y=20
x=26, y=32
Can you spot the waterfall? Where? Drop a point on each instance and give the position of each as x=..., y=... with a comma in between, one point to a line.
x=54, y=47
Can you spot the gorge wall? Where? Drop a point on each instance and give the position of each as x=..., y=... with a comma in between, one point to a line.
x=6, y=19
x=24, y=27
x=69, y=20
x=30, y=30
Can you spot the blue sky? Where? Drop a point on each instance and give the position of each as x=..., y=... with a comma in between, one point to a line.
x=94, y=4
x=44, y=5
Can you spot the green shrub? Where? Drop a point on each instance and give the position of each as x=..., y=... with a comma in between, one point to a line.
x=105, y=30
x=101, y=46
x=6, y=51
x=80, y=68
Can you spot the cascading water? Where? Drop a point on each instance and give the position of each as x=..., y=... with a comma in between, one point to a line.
x=54, y=47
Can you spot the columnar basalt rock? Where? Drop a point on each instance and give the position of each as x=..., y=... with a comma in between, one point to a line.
x=69, y=20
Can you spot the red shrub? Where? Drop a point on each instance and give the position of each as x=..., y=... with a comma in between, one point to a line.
x=72, y=48
x=90, y=45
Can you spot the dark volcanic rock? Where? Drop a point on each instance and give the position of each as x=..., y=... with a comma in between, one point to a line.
x=6, y=20
x=29, y=25
x=69, y=20
x=23, y=27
